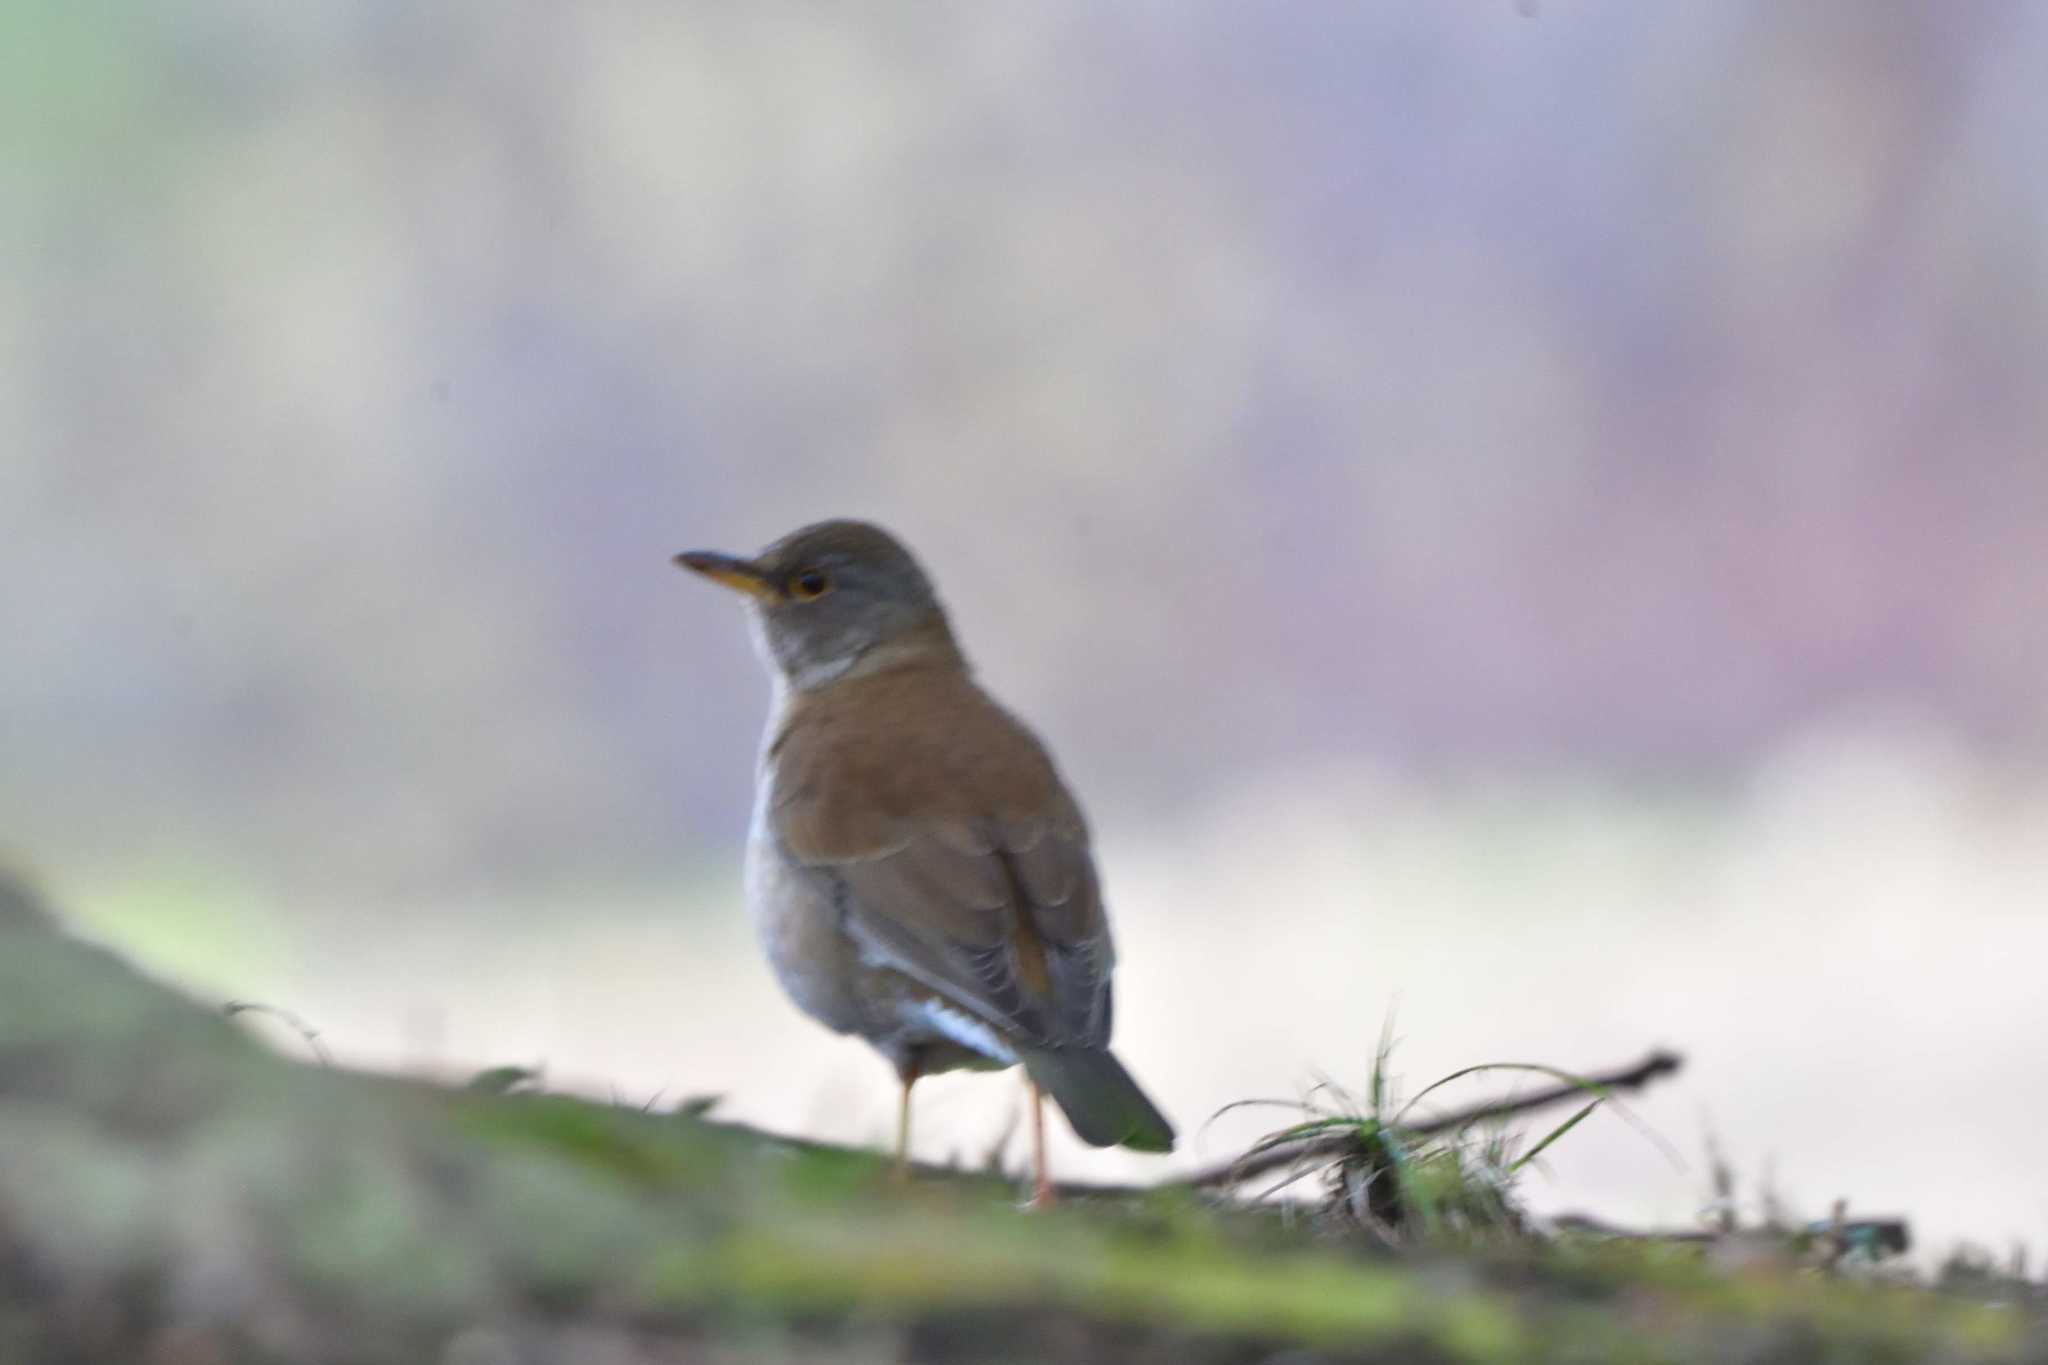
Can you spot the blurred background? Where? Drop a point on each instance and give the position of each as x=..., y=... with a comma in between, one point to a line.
x=1531, y=521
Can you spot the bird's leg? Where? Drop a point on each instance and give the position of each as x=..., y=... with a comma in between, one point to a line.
x=908, y=1073
x=1041, y=1186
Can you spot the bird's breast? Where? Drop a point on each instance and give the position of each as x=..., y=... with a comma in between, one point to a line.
x=797, y=924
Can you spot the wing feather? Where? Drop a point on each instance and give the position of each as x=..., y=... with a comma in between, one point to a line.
x=955, y=852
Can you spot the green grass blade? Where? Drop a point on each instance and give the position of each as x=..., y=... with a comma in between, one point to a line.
x=1554, y=1134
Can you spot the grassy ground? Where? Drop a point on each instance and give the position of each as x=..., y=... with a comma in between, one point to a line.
x=171, y=1192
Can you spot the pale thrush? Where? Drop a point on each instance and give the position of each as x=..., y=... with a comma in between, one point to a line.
x=918, y=872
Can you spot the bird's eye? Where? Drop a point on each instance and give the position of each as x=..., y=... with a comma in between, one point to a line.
x=806, y=584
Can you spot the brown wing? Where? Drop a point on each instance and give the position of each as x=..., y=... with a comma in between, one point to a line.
x=950, y=846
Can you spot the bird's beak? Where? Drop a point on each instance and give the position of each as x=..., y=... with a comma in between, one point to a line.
x=743, y=575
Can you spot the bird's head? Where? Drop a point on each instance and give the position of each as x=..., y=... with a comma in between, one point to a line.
x=833, y=598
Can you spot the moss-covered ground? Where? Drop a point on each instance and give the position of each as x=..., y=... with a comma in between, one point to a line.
x=172, y=1192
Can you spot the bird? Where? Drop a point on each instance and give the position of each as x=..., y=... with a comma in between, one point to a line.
x=917, y=871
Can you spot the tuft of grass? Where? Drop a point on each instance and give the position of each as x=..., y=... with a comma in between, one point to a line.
x=1402, y=1181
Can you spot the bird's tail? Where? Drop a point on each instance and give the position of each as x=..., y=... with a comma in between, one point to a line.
x=1100, y=1099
